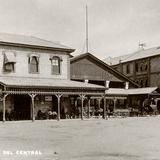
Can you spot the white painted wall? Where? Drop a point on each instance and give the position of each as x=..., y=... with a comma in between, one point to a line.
x=22, y=69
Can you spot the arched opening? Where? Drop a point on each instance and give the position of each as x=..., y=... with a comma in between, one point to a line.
x=34, y=64
x=55, y=61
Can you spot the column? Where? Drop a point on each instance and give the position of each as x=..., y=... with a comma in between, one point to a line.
x=82, y=96
x=115, y=100
x=107, y=108
x=99, y=106
x=76, y=107
x=104, y=107
x=89, y=104
x=33, y=106
x=4, y=107
x=99, y=103
x=59, y=103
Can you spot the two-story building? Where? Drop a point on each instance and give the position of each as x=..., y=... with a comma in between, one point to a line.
x=141, y=66
x=35, y=78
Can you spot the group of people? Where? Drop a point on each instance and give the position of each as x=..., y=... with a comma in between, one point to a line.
x=46, y=115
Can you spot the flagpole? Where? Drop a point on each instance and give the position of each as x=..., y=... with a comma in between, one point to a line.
x=86, y=29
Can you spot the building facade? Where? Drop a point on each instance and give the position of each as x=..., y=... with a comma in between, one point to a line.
x=141, y=66
x=35, y=80
x=88, y=68
x=122, y=96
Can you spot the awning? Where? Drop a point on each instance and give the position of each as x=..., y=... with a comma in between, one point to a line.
x=135, y=91
x=9, y=57
x=46, y=82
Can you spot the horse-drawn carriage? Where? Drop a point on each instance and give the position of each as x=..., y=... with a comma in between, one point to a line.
x=152, y=107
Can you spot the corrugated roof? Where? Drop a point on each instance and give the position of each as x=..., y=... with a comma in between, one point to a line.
x=133, y=56
x=30, y=40
x=135, y=91
x=44, y=82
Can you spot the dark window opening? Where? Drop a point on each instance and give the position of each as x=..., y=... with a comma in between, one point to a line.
x=141, y=83
x=146, y=67
x=128, y=69
x=136, y=67
x=34, y=64
x=146, y=83
x=9, y=67
x=102, y=83
x=116, y=84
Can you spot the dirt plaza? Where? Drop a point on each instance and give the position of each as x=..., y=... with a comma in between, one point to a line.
x=133, y=138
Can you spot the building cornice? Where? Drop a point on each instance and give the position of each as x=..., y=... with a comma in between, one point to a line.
x=36, y=47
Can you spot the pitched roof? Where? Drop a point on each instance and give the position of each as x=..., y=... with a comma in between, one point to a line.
x=46, y=82
x=135, y=91
x=133, y=56
x=30, y=41
x=110, y=69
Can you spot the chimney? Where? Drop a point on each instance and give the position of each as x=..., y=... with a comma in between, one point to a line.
x=107, y=84
x=86, y=81
x=127, y=85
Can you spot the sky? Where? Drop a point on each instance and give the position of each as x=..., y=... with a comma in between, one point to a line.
x=115, y=26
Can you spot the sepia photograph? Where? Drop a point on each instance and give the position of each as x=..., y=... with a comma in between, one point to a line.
x=79, y=80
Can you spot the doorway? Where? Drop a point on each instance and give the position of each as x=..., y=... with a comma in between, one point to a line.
x=22, y=107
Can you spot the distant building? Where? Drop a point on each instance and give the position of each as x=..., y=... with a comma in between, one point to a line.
x=87, y=67
x=119, y=88
x=141, y=66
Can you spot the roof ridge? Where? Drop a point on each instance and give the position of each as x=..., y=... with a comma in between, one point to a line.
x=133, y=56
x=133, y=52
x=31, y=40
x=56, y=42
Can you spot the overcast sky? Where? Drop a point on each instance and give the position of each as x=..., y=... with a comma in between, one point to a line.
x=115, y=26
